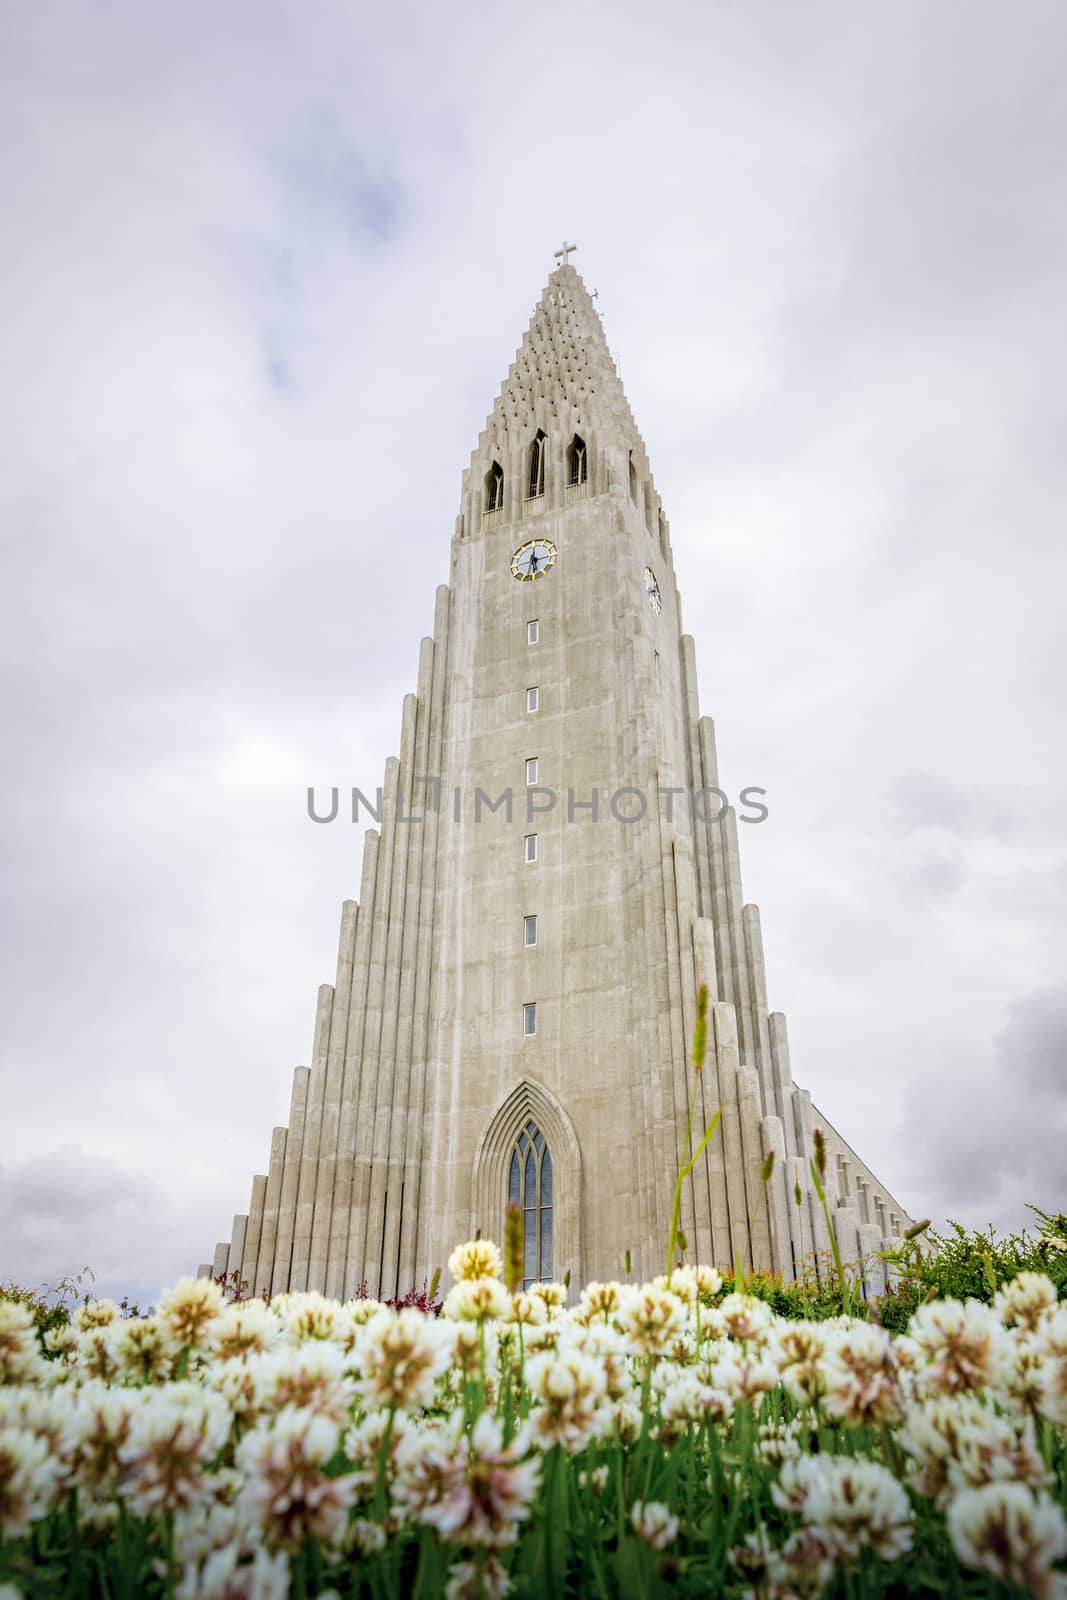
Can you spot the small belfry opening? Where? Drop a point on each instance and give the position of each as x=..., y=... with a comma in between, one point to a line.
x=537, y=466
x=530, y=1188
x=494, y=487
x=577, y=465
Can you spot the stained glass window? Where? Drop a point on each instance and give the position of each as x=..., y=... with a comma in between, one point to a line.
x=530, y=1186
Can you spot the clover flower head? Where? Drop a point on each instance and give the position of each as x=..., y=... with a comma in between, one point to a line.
x=174, y=1432
x=477, y=1300
x=654, y=1523
x=1006, y=1530
x=1023, y=1302
x=30, y=1477
x=288, y=1495
x=20, y=1357
x=478, y=1258
x=401, y=1355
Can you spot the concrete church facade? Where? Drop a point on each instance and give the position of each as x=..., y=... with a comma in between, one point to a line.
x=516, y=987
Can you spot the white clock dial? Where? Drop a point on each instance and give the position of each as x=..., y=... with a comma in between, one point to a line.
x=533, y=559
x=655, y=599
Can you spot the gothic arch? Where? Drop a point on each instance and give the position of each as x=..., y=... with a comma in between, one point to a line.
x=489, y=1187
x=535, y=487
x=577, y=462
x=494, y=488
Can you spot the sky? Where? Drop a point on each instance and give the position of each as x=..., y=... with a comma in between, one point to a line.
x=264, y=271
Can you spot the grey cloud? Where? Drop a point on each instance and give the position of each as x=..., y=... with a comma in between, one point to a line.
x=926, y=800
x=992, y=1135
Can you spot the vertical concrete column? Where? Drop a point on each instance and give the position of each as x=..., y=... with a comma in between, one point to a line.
x=333, y=1082
x=294, y=1144
x=414, y=1244
x=269, y=1238
x=309, y=1155
x=252, y=1233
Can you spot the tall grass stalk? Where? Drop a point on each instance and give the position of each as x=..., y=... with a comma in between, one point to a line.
x=700, y=1048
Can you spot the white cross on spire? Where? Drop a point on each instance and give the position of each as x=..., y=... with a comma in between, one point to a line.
x=565, y=250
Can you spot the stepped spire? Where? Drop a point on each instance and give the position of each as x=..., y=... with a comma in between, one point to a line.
x=563, y=383
x=563, y=371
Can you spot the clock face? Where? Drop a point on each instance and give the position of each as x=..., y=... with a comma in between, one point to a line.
x=655, y=599
x=532, y=560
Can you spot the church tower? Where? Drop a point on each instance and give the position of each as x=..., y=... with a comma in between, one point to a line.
x=555, y=874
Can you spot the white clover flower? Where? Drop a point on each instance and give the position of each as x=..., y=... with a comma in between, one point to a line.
x=596, y=1480
x=472, y=1491
x=604, y=1343
x=850, y=1505
x=933, y=1434
x=244, y=1328
x=368, y=1538
x=1050, y=1344
x=236, y=1380
x=287, y=1496
x=308, y=1316
x=599, y=1300
x=477, y=1300
x=224, y=1575
x=30, y=1478
x=199, y=1529
x=364, y=1442
x=862, y=1385
x=554, y=1296
x=528, y=1310
x=96, y=1314
x=144, y=1348
x=357, y=1312
x=98, y=1427
x=687, y=1399
x=95, y=1356
x=471, y=1580
x=963, y=1345
x=174, y=1433
x=743, y=1375
x=62, y=1340
x=479, y=1258
x=746, y=1317
x=650, y=1318
x=567, y=1388
x=1024, y=1301
x=654, y=1523
x=1004, y=1529
x=802, y=1353
x=45, y=1412
x=21, y=1360
x=1006, y=1450
x=191, y=1310
x=310, y=1376
x=401, y=1355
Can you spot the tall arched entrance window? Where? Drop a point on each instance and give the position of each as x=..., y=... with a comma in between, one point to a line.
x=530, y=1187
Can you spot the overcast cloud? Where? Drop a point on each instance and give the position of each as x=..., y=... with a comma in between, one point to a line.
x=264, y=270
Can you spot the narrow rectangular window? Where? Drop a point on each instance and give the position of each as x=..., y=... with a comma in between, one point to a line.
x=529, y=1018
x=531, y=699
x=531, y=847
x=531, y=770
x=533, y=631
x=529, y=930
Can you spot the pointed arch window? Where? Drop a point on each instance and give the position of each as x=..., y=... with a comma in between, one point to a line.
x=577, y=462
x=537, y=466
x=530, y=1188
x=494, y=487
x=633, y=479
